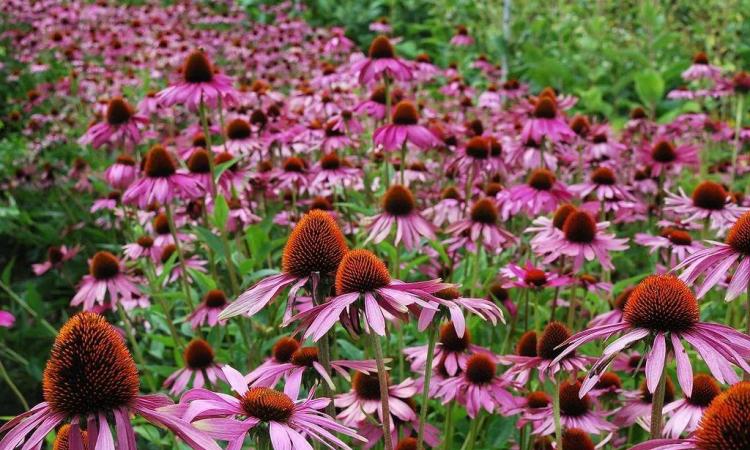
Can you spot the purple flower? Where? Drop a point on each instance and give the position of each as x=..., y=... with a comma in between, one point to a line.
x=106, y=275
x=199, y=366
x=399, y=208
x=200, y=84
x=404, y=128
x=161, y=181
x=121, y=127
x=382, y=61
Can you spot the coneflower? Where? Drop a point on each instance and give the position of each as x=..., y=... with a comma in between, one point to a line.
x=121, y=126
x=160, y=182
x=709, y=202
x=90, y=377
x=399, y=208
x=381, y=62
x=106, y=276
x=200, y=366
x=199, y=85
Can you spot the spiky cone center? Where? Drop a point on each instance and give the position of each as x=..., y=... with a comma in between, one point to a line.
x=366, y=386
x=405, y=113
x=159, y=163
x=498, y=292
x=700, y=58
x=449, y=293
x=145, y=241
x=451, y=342
x=199, y=161
x=399, y=201
x=258, y=117
x=305, y=356
x=361, y=271
x=284, y=348
x=577, y=439
x=90, y=369
x=166, y=253
x=553, y=335
x=125, y=160
x=55, y=254
x=215, y=298
x=571, y=405
x=267, y=405
x=562, y=213
x=541, y=179
x=580, y=228
x=408, y=443
x=511, y=85
x=199, y=140
x=478, y=148
x=330, y=161
x=104, y=266
x=680, y=237
x=119, y=112
x=450, y=193
x=197, y=68
x=663, y=152
x=726, y=425
x=161, y=224
x=378, y=95
x=480, y=369
x=62, y=439
x=609, y=380
x=381, y=48
x=294, y=164
x=648, y=397
x=321, y=203
x=545, y=108
x=238, y=129
x=315, y=245
x=710, y=195
x=535, y=277
x=538, y=399
x=527, y=345
x=662, y=303
x=705, y=390
x=484, y=211
x=198, y=354
x=739, y=235
x=603, y=176
x=223, y=157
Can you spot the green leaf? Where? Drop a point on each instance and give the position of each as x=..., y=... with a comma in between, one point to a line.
x=650, y=86
x=221, y=212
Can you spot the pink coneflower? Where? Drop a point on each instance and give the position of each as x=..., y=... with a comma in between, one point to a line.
x=199, y=168
x=404, y=128
x=709, y=202
x=122, y=173
x=161, y=181
x=575, y=412
x=265, y=413
x=106, y=276
x=56, y=256
x=701, y=69
x=304, y=361
x=724, y=425
x=452, y=351
x=480, y=228
x=334, y=139
x=399, y=208
x=638, y=405
x=546, y=122
x=364, y=285
x=143, y=247
x=382, y=25
x=176, y=271
x=208, y=311
x=543, y=354
x=314, y=250
x=462, y=38
x=450, y=299
x=664, y=156
x=478, y=387
x=375, y=105
x=686, y=413
x=374, y=434
x=199, y=84
x=715, y=262
x=91, y=378
x=7, y=319
x=199, y=366
x=661, y=306
x=615, y=315
x=678, y=244
x=547, y=228
x=603, y=146
x=122, y=126
x=293, y=174
x=533, y=277
x=603, y=186
x=582, y=238
x=382, y=61
x=542, y=193
x=447, y=210
x=364, y=399
x=333, y=170
x=239, y=138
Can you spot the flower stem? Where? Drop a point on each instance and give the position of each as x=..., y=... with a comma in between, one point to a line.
x=471, y=438
x=432, y=337
x=737, y=141
x=28, y=309
x=165, y=308
x=448, y=427
x=383, y=382
x=572, y=306
x=403, y=163
x=13, y=387
x=180, y=256
x=138, y=353
x=556, y=413
x=325, y=350
x=657, y=404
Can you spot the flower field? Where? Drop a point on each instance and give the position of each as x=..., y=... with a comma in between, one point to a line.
x=413, y=225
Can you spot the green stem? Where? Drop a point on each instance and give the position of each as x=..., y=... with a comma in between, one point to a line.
x=657, y=404
x=383, y=382
x=556, y=413
x=432, y=337
x=165, y=309
x=28, y=309
x=403, y=163
x=180, y=257
x=471, y=438
x=138, y=353
x=13, y=387
x=448, y=427
x=737, y=142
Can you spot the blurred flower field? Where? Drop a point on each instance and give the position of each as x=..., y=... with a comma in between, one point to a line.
x=387, y=225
